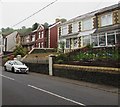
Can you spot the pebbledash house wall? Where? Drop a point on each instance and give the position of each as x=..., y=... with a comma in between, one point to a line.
x=80, y=31
x=76, y=33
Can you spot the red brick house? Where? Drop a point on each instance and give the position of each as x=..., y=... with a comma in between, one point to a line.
x=53, y=35
x=42, y=37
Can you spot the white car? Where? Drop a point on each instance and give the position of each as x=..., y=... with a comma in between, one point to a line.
x=16, y=66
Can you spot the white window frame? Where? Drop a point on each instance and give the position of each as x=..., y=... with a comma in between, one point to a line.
x=68, y=43
x=105, y=21
x=87, y=24
x=75, y=27
x=87, y=37
x=64, y=30
x=33, y=38
x=39, y=44
x=42, y=45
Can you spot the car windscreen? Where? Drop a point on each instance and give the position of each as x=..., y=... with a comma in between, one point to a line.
x=17, y=63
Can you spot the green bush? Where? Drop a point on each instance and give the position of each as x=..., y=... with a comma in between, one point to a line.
x=60, y=61
x=20, y=51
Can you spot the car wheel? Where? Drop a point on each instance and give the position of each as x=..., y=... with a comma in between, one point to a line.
x=13, y=70
x=5, y=68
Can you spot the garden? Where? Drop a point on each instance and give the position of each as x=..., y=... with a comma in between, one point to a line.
x=89, y=56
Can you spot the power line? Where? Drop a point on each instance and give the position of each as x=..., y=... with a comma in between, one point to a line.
x=35, y=13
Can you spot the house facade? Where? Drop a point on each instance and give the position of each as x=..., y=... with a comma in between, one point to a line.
x=36, y=39
x=76, y=33
x=100, y=28
x=108, y=27
x=26, y=42
x=42, y=37
x=11, y=41
x=45, y=36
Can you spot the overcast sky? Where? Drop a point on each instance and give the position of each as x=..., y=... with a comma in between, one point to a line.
x=14, y=11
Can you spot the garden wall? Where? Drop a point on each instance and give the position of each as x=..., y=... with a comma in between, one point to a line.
x=39, y=68
x=100, y=75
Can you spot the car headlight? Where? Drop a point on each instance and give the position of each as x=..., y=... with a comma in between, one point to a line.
x=27, y=69
x=17, y=68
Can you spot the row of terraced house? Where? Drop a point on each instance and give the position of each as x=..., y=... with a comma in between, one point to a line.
x=101, y=28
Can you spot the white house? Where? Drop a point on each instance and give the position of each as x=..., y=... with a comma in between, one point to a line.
x=11, y=40
x=76, y=33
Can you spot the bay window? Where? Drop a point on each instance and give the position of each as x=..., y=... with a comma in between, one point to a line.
x=86, y=40
x=111, y=39
x=102, y=40
x=95, y=40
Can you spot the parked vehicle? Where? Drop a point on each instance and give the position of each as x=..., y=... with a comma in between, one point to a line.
x=16, y=66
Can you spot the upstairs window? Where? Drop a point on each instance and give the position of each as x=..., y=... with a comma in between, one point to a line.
x=87, y=24
x=27, y=39
x=33, y=38
x=106, y=19
x=39, y=35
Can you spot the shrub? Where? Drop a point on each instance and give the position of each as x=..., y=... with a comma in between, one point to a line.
x=20, y=51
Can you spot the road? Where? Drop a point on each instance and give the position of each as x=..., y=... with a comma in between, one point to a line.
x=38, y=89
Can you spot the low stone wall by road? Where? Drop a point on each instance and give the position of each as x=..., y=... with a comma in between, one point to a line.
x=100, y=75
x=37, y=67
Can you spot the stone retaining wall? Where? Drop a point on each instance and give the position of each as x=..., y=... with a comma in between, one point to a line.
x=100, y=75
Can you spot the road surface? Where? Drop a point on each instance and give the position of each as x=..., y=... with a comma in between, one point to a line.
x=39, y=89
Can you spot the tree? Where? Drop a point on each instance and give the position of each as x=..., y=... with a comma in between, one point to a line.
x=46, y=25
x=7, y=31
x=19, y=50
x=35, y=26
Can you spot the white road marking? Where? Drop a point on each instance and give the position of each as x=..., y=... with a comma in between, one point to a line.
x=7, y=77
x=56, y=95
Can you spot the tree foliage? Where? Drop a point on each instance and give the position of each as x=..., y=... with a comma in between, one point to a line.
x=62, y=46
x=35, y=26
x=46, y=25
x=7, y=31
x=19, y=50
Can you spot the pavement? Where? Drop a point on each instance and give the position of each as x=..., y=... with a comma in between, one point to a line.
x=106, y=88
